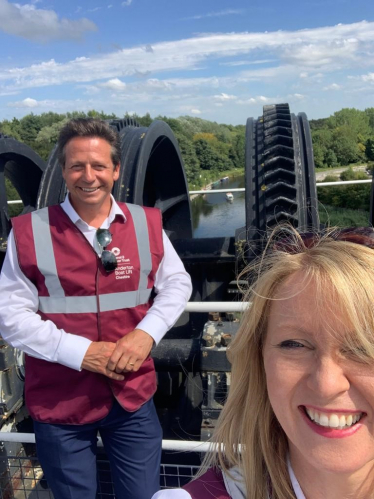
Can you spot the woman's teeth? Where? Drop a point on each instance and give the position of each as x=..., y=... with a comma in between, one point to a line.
x=338, y=421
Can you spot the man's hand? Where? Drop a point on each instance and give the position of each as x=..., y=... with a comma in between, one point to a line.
x=130, y=352
x=96, y=359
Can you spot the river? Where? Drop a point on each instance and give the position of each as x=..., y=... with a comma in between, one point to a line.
x=214, y=216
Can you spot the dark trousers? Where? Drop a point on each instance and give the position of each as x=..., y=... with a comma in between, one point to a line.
x=132, y=441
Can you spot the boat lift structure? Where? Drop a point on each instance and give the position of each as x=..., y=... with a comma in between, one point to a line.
x=192, y=368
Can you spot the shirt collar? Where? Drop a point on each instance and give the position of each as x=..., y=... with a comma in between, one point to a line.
x=75, y=218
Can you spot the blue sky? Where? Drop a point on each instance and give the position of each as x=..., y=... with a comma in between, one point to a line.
x=218, y=60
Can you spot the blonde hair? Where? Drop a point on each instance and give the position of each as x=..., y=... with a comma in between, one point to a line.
x=247, y=433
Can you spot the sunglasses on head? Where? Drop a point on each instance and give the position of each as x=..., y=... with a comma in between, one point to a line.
x=108, y=259
x=358, y=235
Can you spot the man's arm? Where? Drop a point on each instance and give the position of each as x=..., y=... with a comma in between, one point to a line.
x=173, y=288
x=23, y=328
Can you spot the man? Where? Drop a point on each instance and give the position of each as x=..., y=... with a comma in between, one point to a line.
x=78, y=301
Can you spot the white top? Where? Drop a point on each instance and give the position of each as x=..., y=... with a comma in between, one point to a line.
x=235, y=492
x=23, y=328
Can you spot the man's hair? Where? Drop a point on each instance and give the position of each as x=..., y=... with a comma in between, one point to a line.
x=88, y=127
x=248, y=433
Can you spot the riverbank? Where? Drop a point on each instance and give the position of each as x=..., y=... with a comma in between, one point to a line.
x=230, y=174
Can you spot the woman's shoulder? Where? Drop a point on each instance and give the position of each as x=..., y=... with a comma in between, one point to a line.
x=172, y=494
x=210, y=485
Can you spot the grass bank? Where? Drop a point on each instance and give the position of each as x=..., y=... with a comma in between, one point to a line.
x=343, y=217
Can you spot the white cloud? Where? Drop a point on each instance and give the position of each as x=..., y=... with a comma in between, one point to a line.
x=247, y=63
x=195, y=111
x=40, y=25
x=368, y=77
x=333, y=86
x=261, y=99
x=89, y=89
x=55, y=105
x=126, y=3
x=220, y=13
x=224, y=97
x=114, y=84
x=95, y=9
x=334, y=52
x=307, y=53
x=28, y=102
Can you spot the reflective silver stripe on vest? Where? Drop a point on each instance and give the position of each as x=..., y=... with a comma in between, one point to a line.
x=57, y=302
x=44, y=251
x=142, y=237
x=129, y=299
x=88, y=304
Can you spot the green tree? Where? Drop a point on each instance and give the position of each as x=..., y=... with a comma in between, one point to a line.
x=330, y=159
x=344, y=145
x=191, y=163
x=350, y=174
x=322, y=144
x=369, y=149
x=356, y=120
x=370, y=113
x=8, y=128
x=209, y=159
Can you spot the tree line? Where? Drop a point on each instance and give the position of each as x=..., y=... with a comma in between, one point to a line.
x=344, y=138
x=208, y=149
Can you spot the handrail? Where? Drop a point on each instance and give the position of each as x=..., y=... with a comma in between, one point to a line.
x=172, y=445
x=318, y=184
x=216, y=306
x=242, y=189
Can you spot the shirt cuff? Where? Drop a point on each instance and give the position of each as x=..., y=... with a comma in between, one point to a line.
x=72, y=350
x=154, y=326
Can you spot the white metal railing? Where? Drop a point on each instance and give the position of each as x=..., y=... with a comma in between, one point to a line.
x=318, y=184
x=216, y=306
x=173, y=445
x=242, y=189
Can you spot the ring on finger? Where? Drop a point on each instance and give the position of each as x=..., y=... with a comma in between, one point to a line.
x=130, y=364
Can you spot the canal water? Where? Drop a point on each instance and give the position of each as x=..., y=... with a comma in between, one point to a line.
x=214, y=216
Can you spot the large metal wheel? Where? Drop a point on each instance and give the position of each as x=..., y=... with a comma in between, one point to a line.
x=24, y=169
x=279, y=172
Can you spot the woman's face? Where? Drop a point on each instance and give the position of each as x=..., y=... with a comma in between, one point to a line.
x=321, y=394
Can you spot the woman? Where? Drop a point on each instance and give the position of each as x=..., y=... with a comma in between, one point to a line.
x=299, y=419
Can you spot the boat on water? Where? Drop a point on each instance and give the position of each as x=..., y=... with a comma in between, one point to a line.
x=229, y=196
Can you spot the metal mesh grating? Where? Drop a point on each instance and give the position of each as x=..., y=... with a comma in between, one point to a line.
x=176, y=475
x=22, y=478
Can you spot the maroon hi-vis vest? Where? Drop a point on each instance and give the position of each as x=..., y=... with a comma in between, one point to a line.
x=80, y=297
x=208, y=486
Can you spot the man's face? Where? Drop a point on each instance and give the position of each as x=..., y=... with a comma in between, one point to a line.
x=89, y=173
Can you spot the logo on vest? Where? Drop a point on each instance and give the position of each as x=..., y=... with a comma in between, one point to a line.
x=124, y=268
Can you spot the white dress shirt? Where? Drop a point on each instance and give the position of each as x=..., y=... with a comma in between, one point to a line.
x=23, y=328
